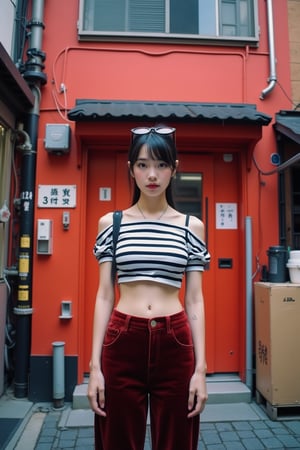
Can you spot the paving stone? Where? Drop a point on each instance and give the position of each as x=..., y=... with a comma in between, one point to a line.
x=253, y=444
x=211, y=437
x=242, y=425
x=272, y=443
x=84, y=441
x=234, y=446
x=224, y=426
x=86, y=432
x=45, y=439
x=294, y=426
x=274, y=425
x=258, y=425
x=206, y=426
x=215, y=447
x=229, y=436
x=84, y=447
x=48, y=432
x=247, y=434
x=263, y=433
x=44, y=446
x=288, y=441
x=69, y=434
x=67, y=443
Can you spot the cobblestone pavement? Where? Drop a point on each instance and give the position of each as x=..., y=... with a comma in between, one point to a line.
x=237, y=435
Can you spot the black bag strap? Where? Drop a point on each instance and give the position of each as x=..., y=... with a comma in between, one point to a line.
x=117, y=217
x=187, y=221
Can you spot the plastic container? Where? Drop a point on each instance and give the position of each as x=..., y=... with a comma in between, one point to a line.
x=277, y=264
x=293, y=265
x=294, y=254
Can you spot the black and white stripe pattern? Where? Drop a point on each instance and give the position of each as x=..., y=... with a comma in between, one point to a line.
x=153, y=250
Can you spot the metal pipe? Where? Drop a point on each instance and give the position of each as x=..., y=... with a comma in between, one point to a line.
x=23, y=309
x=33, y=74
x=249, y=303
x=58, y=374
x=272, y=60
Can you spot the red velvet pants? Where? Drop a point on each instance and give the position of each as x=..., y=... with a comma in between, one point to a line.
x=147, y=361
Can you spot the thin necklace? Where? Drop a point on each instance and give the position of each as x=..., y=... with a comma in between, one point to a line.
x=162, y=214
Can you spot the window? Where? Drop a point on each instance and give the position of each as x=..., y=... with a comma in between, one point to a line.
x=289, y=207
x=195, y=19
x=236, y=18
x=187, y=192
x=295, y=206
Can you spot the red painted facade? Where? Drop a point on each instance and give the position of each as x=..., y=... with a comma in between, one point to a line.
x=154, y=72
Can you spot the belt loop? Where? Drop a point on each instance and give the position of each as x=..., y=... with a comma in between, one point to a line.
x=126, y=323
x=168, y=321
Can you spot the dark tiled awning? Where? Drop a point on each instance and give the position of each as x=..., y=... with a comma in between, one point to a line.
x=288, y=124
x=14, y=91
x=97, y=110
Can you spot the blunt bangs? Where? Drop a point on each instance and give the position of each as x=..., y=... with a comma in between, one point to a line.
x=159, y=148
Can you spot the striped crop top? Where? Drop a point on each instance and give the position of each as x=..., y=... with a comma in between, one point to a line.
x=152, y=250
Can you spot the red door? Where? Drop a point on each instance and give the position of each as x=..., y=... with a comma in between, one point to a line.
x=108, y=189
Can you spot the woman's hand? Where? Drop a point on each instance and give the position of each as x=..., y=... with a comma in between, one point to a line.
x=96, y=393
x=197, y=394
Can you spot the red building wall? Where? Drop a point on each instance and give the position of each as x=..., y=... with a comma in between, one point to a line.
x=141, y=71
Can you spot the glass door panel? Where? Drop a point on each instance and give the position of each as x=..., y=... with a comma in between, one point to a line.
x=187, y=191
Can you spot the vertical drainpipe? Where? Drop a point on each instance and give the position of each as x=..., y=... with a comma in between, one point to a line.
x=32, y=73
x=272, y=59
x=249, y=303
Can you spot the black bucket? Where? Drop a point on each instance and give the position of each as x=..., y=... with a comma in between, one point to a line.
x=277, y=264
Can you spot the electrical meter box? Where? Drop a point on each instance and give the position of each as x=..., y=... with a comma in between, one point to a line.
x=44, y=237
x=277, y=324
x=57, y=138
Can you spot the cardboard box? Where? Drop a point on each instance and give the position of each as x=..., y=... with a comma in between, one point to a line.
x=277, y=332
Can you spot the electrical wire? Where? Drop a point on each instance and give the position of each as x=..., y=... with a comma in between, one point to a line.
x=296, y=105
x=13, y=165
x=60, y=107
x=260, y=229
x=279, y=168
x=9, y=330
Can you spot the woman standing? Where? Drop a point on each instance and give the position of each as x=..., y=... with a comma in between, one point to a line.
x=147, y=349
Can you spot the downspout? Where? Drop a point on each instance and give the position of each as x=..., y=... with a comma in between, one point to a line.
x=32, y=73
x=249, y=304
x=272, y=61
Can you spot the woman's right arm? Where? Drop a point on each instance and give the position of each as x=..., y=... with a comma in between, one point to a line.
x=103, y=308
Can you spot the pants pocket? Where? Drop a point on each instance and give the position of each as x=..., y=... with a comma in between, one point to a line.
x=111, y=336
x=183, y=336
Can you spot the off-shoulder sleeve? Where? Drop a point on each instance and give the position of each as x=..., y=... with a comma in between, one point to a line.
x=103, y=248
x=198, y=255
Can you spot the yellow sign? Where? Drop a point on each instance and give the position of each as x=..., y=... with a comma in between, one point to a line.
x=25, y=242
x=23, y=296
x=23, y=264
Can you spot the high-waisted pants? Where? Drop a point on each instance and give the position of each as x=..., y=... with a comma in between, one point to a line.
x=147, y=360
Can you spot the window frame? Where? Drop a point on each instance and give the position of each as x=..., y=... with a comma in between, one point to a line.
x=129, y=36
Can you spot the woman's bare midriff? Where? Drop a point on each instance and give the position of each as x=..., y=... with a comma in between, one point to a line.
x=148, y=299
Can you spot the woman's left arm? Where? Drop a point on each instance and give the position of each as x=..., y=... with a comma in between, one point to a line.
x=194, y=306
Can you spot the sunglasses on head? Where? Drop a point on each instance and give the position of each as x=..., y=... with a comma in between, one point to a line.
x=163, y=131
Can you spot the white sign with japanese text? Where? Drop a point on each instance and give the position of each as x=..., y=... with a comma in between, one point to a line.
x=226, y=216
x=57, y=196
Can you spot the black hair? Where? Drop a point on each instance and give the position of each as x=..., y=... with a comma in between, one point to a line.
x=160, y=147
